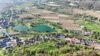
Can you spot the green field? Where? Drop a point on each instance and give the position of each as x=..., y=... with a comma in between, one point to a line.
x=90, y=25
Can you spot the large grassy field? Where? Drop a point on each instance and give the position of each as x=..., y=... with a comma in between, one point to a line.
x=90, y=25
x=47, y=46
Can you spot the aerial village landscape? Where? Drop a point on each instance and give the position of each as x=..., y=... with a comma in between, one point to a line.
x=49, y=27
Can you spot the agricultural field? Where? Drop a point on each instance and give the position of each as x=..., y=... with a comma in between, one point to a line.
x=89, y=25
x=50, y=28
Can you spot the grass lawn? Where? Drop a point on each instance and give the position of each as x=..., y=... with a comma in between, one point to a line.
x=90, y=26
x=47, y=46
x=1, y=53
x=25, y=36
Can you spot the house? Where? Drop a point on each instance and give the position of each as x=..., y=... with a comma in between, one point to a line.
x=12, y=43
x=87, y=33
x=72, y=40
